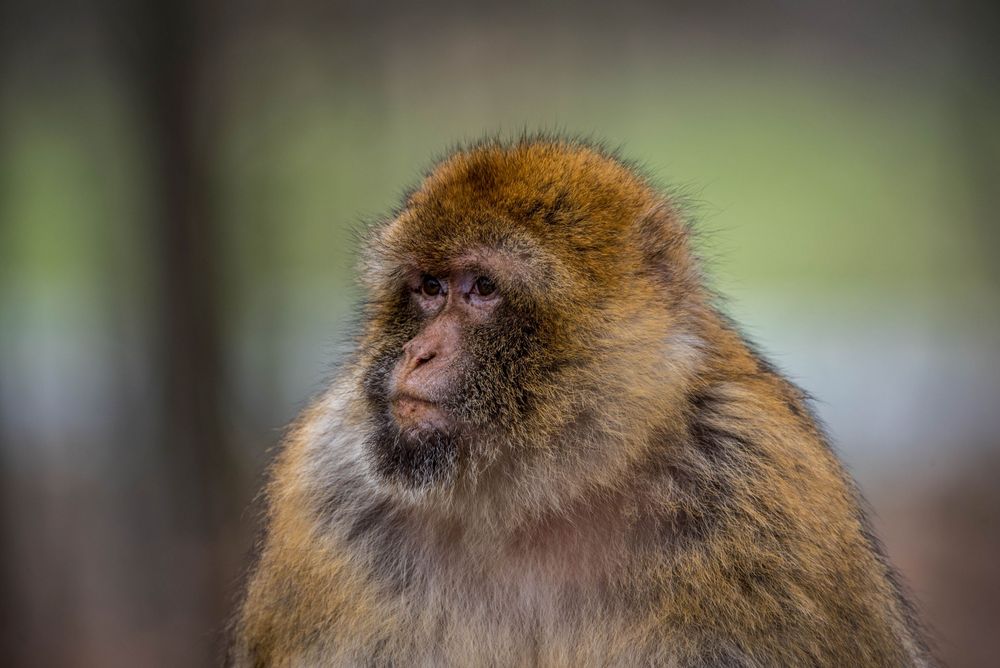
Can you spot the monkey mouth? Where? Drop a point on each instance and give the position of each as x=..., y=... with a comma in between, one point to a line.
x=417, y=414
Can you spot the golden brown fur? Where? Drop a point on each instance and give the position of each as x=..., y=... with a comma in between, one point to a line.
x=643, y=488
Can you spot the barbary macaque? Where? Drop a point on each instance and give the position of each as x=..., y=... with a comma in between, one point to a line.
x=549, y=447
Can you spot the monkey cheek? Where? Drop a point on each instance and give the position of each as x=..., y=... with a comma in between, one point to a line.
x=415, y=415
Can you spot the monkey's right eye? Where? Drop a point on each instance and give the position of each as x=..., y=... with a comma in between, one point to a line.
x=430, y=286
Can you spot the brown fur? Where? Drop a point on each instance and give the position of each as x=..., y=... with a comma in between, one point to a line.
x=643, y=489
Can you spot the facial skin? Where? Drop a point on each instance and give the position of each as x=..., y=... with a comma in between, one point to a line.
x=436, y=384
x=428, y=368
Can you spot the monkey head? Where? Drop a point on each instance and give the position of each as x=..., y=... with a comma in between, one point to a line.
x=512, y=302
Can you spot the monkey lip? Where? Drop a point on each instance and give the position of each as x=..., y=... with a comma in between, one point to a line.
x=412, y=411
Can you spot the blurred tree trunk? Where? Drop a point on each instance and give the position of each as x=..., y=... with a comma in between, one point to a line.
x=168, y=50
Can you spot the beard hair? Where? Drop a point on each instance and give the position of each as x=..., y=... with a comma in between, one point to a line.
x=415, y=460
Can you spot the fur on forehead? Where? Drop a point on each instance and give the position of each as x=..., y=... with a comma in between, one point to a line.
x=563, y=193
x=515, y=209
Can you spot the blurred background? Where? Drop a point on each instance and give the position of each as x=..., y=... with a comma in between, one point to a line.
x=179, y=183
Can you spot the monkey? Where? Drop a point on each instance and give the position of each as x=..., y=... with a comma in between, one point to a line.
x=549, y=446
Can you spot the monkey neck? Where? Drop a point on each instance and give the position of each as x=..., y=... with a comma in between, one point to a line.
x=578, y=544
x=579, y=521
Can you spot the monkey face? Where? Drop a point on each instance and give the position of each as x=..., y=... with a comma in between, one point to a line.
x=432, y=362
x=503, y=302
x=445, y=385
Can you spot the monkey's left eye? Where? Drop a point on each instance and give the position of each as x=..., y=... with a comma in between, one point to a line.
x=485, y=287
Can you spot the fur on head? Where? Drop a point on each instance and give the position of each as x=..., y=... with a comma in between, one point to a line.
x=595, y=272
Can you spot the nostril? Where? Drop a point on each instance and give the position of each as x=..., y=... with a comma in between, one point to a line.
x=417, y=354
x=423, y=357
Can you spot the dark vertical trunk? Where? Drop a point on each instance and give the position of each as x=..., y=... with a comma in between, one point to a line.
x=167, y=52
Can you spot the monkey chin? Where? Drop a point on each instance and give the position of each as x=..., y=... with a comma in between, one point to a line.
x=413, y=446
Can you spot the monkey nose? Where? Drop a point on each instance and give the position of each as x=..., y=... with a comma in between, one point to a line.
x=417, y=354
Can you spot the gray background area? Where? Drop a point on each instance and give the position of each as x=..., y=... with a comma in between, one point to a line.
x=179, y=188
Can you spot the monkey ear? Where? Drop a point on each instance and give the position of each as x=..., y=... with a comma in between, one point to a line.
x=663, y=238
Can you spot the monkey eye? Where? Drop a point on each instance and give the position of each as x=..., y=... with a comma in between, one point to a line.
x=484, y=286
x=430, y=286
